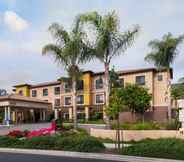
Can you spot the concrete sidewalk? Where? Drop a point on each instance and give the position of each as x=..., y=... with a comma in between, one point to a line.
x=86, y=155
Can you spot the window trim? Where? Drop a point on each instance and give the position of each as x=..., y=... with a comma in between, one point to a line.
x=83, y=100
x=140, y=83
x=103, y=99
x=102, y=83
x=70, y=89
x=55, y=102
x=55, y=90
x=160, y=75
x=65, y=99
x=43, y=92
x=34, y=90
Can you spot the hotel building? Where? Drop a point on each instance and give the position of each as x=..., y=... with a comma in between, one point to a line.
x=91, y=93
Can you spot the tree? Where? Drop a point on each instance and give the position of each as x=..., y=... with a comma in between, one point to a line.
x=110, y=42
x=116, y=105
x=163, y=55
x=177, y=90
x=136, y=98
x=70, y=51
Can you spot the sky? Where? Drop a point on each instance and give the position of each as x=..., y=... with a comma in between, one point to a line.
x=24, y=31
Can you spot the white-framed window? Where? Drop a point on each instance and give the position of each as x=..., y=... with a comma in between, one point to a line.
x=67, y=101
x=57, y=102
x=140, y=80
x=45, y=92
x=99, y=99
x=57, y=90
x=160, y=77
x=67, y=87
x=80, y=85
x=99, y=83
x=80, y=99
x=34, y=93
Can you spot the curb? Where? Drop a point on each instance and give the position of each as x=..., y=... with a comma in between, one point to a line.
x=99, y=156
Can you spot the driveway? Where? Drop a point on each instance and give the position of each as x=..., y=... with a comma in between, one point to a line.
x=12, y=157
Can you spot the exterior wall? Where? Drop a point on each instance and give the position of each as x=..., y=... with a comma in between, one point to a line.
x=87, y=88
x=25, y=90
x=51, y=95
x=157, y=88
x=135, y=135
x=160, y=89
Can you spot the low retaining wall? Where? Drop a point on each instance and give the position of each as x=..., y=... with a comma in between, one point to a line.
x=136, y=135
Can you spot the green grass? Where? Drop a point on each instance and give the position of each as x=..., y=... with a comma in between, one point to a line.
x=170, y=148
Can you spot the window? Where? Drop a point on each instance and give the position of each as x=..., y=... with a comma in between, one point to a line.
x=140, y=80
x=45, y=92
x=80, y=85
x=67, y=87
x=121, y=82
x=99, y=99
x=57, y=102
x=99, y=83
x=80, y=99
x=21, y=93
x=34, y=93
x=68, y=101
x=160, y=78
x=56, y=90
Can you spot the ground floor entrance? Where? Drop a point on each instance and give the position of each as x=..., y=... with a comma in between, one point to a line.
x=15, y=109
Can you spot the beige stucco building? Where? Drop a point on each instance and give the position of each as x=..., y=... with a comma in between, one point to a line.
x=91, y=93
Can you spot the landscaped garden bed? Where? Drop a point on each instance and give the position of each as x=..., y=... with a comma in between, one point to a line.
x=170, y=148
x=67, y=141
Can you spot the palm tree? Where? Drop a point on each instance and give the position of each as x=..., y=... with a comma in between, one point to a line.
x=110, y=42
x=163, y=55
x=70, y=51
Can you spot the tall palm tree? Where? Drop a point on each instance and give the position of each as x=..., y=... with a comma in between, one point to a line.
x=110, y=42
x=69, y=51
x=163, y=55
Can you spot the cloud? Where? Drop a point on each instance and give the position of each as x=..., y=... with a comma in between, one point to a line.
x=14, y=22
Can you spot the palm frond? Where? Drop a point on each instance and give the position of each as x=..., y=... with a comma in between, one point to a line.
x=120, y=42
x=59, y=33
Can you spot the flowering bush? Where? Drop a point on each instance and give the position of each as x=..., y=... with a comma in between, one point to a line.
x=18, y=133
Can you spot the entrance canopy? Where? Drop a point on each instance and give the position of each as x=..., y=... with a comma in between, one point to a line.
x=21, y=109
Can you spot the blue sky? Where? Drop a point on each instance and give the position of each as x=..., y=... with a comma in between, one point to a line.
x=24, y=24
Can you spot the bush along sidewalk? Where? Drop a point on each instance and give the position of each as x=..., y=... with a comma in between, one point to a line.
x=66, y=141
x=169, y=148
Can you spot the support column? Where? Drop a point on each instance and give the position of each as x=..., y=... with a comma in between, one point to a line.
x=87, y=113
x=8, y=117
x=5, y=115
x=44, y=115
x=70, y=113
x=41, y=115
x=55, y=114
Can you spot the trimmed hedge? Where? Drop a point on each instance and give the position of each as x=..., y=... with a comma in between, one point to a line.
x=69, y=141
x=170, y=148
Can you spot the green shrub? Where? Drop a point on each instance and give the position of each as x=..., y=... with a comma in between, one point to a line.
x=6, y=141
x=42, y=142
x=138, y=126
x=173, y=125
x=162, y=148
x=79, y=143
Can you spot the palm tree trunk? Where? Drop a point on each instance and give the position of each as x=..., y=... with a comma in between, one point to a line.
x=74, y=103
x=118, y=133
x=168, y=94
x=107, y=92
